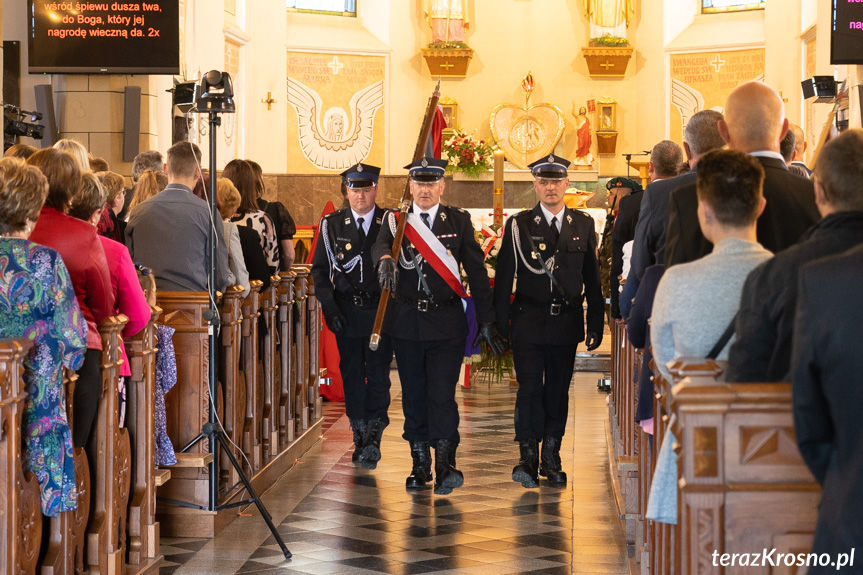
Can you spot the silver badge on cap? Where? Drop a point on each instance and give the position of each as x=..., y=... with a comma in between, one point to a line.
x=551, y=159
x=424, y=163
x=359, y=167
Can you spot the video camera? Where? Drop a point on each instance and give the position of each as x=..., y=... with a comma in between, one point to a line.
x=15, y=124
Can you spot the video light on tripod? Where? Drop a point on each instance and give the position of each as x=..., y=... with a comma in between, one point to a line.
x=215, y=93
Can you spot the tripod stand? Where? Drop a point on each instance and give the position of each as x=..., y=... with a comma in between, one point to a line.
x=216, y=97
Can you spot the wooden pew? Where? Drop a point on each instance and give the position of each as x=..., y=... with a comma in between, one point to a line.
x=233, y=386
x=314, y=334
x=664, y=539
x=287, y=378
x=21, y=520
x=111, y=460
x=143, y=539
x=67, y=531
x=743, y=485
x=301, y=342
x=252, y=428
x=270, y=366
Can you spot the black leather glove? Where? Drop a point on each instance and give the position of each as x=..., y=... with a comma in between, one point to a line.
x=593, y=340
x=337, y=324
x=496, y=342
x=388, y=273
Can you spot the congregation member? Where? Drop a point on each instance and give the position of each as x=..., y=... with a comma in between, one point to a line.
x=700, y=135
x=170, y=232
x=149, y=184
x=40, y=305
x=786, y=148
x=129, y=298
x=826, y=394
x=115, y=189
x=82, y=252
x=426, y=321
x=98, y=164
x=764, y=326
x=754, y=124
x=250, y=242
x=22, y=151
x=77, y=150
x=800, y=146
x=551, y=249
x=346, y=287
x=666, y=159
x=282, y=220
x=229, y=199
x=149, y=161
x=248, y=214
x=695, y=302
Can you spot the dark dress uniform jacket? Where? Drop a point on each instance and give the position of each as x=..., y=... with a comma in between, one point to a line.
x=762, y=347
x=575, y=268
x=335, y=290
x=789, y=212
x=828, y=398
x=403, y=320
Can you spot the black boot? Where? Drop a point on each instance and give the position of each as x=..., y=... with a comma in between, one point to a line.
x=421, y=472
x=372, y=443
x=527, y=470
x=446, y=476
x=549, y=466
x=358, y=427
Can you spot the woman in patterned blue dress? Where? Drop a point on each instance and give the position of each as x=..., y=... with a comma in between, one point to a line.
x=37, y=302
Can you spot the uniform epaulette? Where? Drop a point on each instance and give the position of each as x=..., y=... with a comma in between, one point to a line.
x=581, y=213
x=336, y=214
x=523, y=214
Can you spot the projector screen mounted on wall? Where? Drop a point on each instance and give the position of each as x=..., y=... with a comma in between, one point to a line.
x=846, y=39
x=104, y=37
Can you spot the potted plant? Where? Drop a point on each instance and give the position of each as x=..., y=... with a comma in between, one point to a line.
x=467, y=154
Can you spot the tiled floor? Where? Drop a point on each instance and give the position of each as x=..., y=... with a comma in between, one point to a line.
x=339, y=519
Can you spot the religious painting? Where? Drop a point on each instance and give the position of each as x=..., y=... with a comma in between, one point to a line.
x=336, y=111
x=703, y=80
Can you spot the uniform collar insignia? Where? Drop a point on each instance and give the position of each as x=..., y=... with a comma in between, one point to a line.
x=536, y=219
x=378, y=220
x=569, y=218
x=347, y=220
x=443, y=217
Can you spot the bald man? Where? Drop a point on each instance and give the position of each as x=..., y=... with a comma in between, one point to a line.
x=754, y=123
x=799, y=148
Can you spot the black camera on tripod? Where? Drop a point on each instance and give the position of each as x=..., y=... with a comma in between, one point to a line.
x=15, y=124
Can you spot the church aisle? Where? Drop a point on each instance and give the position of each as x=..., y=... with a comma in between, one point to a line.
x=353, y=521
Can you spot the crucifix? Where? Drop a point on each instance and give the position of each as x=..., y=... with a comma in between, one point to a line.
x=269, y=101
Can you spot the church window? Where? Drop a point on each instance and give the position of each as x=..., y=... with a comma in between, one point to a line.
x=333, y=7
x=720, y=6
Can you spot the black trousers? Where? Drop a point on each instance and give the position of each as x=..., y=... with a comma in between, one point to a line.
x=429, y=372
x=542, y=402
x=366, y=376
x=85, y=402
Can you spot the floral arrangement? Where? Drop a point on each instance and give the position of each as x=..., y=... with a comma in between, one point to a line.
x=467, y=154
x=609, y=40
x=451, y=45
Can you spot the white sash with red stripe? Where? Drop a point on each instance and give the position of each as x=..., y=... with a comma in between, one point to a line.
x=432, y=251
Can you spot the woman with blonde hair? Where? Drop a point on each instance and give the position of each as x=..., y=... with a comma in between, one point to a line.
x=149, y=184
x=77, y=150
x=229, y=200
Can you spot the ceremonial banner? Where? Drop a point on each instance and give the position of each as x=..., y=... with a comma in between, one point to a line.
x=703, y=80
x=335, y=111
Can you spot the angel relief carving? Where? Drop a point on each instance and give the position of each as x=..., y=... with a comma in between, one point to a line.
x=333, y=138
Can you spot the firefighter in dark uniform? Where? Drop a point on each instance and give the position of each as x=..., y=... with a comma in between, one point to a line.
x=552, y=251
x=428, y=327
x=346, y=286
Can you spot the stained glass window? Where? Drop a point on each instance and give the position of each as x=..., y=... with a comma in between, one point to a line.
x=335, y=7
x=720, y=6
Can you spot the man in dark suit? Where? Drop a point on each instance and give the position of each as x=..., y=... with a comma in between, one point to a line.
x=799, y=148
x=552, y=250
x=827, y=395
x=754, y=123
x=622, y=231
x=347, y=287
x=426, y=320
x=699, y=137
x=765, y=322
